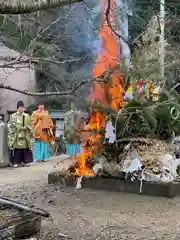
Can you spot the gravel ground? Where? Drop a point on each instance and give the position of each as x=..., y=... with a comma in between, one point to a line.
x=88, y=215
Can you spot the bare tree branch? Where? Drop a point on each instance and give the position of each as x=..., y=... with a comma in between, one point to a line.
x=76, y=87
x=18, y=64
x=40, y=94
x=35, y=60
x=29, y=6
x=66, y=96
x=108, y=12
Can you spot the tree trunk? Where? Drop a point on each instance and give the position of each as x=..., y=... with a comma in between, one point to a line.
x=72, y=104
x=29, y=6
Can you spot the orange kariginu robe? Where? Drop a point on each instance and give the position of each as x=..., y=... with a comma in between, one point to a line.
x=43, y=126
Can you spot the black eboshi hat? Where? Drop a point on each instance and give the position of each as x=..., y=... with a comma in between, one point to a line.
x=20, y=104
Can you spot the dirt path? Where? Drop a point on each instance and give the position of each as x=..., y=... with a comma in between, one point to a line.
x=34, y=172
x=88, y=215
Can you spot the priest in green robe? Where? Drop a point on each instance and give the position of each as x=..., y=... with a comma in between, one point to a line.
x=20, y=137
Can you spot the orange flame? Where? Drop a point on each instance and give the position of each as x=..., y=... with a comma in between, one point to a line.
x=110, y=94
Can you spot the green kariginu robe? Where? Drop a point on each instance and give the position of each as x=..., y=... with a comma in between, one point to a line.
x=20, y=132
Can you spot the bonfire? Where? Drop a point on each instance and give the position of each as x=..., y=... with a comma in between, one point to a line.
x=140, y=124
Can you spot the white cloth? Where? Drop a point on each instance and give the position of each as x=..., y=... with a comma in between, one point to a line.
x=110, y=132
x=130, y=166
